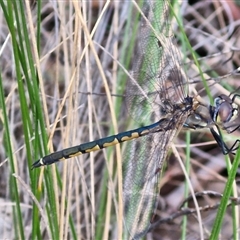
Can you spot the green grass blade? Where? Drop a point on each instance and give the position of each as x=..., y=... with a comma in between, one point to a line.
x=224, y=201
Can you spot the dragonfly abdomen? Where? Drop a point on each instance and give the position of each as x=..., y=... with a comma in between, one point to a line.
x=94, y=145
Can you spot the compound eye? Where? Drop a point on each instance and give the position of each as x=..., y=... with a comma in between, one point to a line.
x=225, y=112
x=218, y=101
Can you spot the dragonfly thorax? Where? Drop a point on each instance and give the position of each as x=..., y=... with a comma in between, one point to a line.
x=170, y=107
x=187, y=105
x=199, y=117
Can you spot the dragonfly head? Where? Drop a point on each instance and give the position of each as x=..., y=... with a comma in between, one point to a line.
x=224, y=109
x=226, y=113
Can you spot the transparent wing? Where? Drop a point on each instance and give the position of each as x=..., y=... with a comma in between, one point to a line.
x=158, y=80
x=142, y=168
x=142, y=165
x=156, y=87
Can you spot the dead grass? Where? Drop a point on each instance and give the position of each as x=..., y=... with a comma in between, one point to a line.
x=81, y=45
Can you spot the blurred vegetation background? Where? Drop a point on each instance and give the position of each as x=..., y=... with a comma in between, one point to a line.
x=64, y=67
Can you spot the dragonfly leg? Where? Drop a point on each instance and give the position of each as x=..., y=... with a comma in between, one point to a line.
x=225, y=149
x=234, y=96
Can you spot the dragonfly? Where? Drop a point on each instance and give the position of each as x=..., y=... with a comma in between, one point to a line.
x=224, y=114
x=157, y=92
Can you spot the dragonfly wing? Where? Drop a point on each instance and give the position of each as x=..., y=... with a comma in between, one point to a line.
x=157, y=88
x=158, y=78
x=144, y=158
